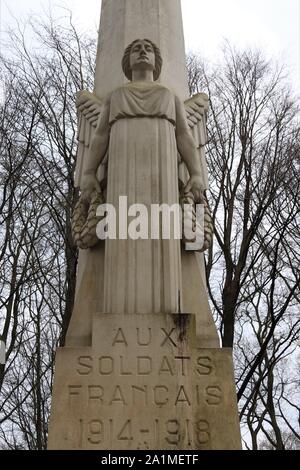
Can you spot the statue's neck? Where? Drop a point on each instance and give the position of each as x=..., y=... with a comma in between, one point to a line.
x=142, y=76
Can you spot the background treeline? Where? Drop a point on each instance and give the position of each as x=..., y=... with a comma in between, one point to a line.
x=253, y=269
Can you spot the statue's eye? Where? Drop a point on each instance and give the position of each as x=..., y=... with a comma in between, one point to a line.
x=136, y=48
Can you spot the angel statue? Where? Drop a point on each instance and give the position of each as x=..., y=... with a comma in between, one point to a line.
x=138, y=143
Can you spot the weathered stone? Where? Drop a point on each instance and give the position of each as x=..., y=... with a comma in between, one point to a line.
x=122, y=21
x=135, y=138
x=144, y=385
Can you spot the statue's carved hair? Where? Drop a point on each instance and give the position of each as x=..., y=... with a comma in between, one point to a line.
x=126, y=60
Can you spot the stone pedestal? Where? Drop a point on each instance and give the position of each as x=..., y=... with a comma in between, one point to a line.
x=144, y=385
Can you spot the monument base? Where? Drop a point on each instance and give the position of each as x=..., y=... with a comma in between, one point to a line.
x=144, y=385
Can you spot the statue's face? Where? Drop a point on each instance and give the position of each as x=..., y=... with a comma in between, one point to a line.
x=142, y=56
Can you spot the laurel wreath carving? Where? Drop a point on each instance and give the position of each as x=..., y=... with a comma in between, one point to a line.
x=85, y=220
x=205, y=232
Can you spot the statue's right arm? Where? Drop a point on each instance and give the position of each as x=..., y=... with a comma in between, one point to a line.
x=100, y=141
x=98, y=149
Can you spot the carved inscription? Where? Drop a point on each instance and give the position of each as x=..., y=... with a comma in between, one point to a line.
x=172, y=432
x=142, y=371
x=204, y=366
x=158, y=395
x=140, y=365
x=213, y=395
x=144, y=337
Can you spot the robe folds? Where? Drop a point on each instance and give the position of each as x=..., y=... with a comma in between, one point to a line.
x=142, y=276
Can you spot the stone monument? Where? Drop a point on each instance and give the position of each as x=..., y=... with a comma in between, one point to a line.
x=142, y=367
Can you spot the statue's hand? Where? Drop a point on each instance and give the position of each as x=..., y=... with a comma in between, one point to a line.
x=195, y=187
x=89, y=184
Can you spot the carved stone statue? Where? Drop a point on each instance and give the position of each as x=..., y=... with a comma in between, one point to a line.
x=141, y=138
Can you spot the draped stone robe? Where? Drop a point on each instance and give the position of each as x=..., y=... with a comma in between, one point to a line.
x=142, y=276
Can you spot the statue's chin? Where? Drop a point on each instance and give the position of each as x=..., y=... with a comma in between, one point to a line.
x=143, y=65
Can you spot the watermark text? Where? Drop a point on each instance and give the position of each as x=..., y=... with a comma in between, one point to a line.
x=155, y=222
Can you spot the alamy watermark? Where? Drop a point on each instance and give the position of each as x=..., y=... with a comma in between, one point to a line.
x=155, y=222
x=2, y=352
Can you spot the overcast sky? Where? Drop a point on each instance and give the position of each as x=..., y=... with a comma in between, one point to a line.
x=273, y=25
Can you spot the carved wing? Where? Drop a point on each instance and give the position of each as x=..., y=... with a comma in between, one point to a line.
x=196, y=110
x=89, y=109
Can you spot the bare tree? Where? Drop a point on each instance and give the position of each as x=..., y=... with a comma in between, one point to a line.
x=38, y=260
x=253, y=269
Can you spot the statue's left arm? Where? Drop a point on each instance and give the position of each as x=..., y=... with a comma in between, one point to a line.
x=188, y=151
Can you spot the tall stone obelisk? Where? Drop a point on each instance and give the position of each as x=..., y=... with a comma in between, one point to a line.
x=142, y=381
x=121, y=22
